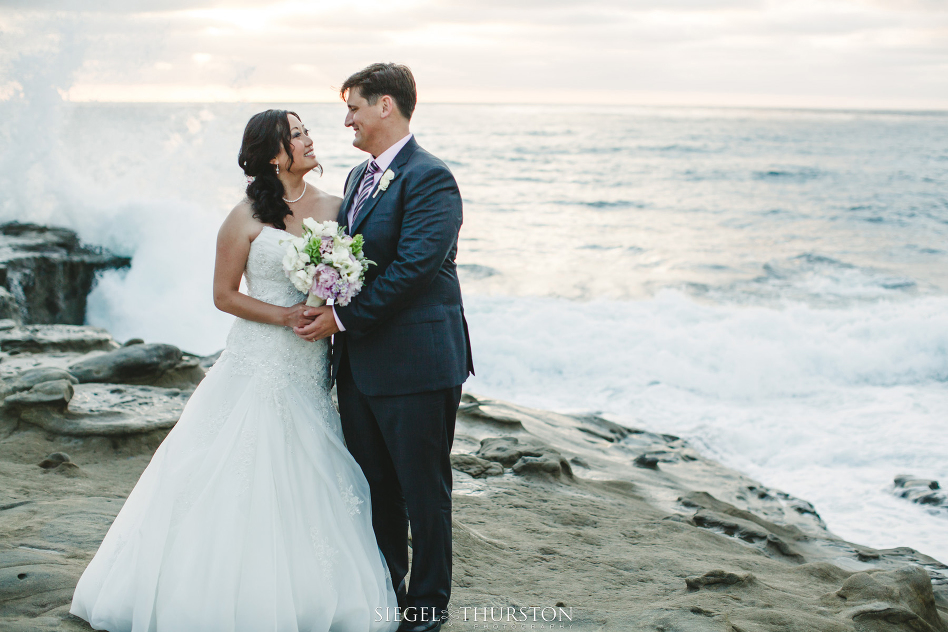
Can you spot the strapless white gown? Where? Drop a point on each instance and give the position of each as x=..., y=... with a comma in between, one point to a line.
x=252, y=516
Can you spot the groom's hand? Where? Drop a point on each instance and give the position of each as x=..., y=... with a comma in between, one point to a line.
x=323, y=326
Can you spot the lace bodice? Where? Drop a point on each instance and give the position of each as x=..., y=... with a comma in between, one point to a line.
x=266, y=280
x=273, y=351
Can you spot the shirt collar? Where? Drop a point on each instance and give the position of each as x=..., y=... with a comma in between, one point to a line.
x=386, y=157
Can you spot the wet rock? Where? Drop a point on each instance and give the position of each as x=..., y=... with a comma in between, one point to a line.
x=68, y=469
x=649, y=461
x=187, y=374
x=603, y=428
x=54, y=395
x=475, y=466
x=801, y=506
x=524, y=458
x=747, y=531
x=60, y=463
x=129, y=365
x=878, y=599
x=717, y=578
x=55, y=338
x=507, y=450
x=921, y=491
x=31, y=377
x=133, y=341
x=652, y=458
x=9, y=308
x=729, y=525
x=546, y=464
x=500, y=416
x=54, y=460
x=775, y=545
x=704, y=500
x=906, y=481
x=35, y=586
x=102, y=410
x=694, y=619
x=576, y=519
x=48, y=273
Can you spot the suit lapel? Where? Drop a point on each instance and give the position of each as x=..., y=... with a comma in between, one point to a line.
x=343, y=219
x=400, y=159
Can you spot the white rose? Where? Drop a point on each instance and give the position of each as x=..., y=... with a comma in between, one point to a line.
x=340, y=258
x=312, y=224
x=329, y=229
x=302, y=280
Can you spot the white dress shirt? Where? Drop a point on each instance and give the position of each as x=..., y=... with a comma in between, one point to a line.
x=383, y=161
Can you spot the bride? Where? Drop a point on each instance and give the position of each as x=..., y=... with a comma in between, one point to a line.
x=252, y=515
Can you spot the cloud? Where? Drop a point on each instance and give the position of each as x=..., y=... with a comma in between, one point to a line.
x=859, y=51
x=125, y=6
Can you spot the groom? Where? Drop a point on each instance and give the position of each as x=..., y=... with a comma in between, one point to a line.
x=401, y=350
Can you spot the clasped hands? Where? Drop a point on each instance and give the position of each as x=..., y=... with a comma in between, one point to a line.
x=312, y=323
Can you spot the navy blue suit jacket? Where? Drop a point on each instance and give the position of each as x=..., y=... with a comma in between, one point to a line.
x=405, y=331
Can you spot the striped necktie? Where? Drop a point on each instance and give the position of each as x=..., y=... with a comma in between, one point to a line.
x=365, y=187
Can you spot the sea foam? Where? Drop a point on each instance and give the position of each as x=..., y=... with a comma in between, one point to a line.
x=825, y=403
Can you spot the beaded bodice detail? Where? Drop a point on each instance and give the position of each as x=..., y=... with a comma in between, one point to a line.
x=274, y=352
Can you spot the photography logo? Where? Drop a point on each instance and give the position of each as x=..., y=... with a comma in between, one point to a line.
x=492, y=617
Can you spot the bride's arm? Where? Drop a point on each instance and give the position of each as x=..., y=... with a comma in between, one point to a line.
x=233, y=248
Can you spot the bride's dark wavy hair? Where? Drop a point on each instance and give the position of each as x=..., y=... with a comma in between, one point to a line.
x=265, y=133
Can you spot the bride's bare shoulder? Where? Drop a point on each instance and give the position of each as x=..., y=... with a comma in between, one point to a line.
x=240, y=224
x=327, y=206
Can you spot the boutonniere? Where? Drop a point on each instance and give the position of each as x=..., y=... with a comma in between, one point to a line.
x=387, y=178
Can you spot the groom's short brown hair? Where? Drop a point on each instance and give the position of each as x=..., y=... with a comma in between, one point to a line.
x=377, y=80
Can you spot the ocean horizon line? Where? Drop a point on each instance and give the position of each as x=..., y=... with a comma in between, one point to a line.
x=643, y=106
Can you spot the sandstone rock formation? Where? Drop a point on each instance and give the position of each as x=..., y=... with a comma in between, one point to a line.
x=604, y=545
x=46, y=274
x=921, y=491
x=77, y=381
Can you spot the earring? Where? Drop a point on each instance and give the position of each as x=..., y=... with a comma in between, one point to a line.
x=278, y=169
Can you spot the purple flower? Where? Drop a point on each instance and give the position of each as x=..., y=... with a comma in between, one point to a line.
x=346, y=291
x=324, y=282
x=325, y=245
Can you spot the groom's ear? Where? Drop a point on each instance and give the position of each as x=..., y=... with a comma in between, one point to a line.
x=388, y=106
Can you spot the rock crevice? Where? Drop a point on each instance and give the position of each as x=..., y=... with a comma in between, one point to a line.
x=46, y=273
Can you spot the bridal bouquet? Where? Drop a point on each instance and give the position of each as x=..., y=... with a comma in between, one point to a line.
x=325, y=263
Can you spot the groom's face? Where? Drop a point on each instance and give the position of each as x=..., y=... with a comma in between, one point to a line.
x=365, y=120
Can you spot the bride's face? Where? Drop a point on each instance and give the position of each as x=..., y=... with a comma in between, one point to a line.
x=304, y=158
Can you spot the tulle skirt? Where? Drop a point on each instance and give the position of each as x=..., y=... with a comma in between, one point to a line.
x=252, y=516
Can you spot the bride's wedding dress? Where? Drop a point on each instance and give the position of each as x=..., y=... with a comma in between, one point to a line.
x=252, y=515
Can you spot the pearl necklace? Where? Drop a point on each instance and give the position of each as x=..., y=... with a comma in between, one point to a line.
x=300, y=197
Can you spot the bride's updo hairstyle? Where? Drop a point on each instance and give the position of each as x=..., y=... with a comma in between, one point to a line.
x=263, y=136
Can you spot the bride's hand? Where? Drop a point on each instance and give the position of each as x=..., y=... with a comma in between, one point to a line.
x=294, y=316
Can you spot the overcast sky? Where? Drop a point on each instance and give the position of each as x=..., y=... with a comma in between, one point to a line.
x=811, y=53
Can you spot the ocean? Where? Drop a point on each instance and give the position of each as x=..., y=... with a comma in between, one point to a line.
x=771, y=285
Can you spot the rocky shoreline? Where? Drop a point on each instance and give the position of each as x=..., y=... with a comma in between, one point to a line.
x=622, y=529
x=46, y=273
x=560, y=521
